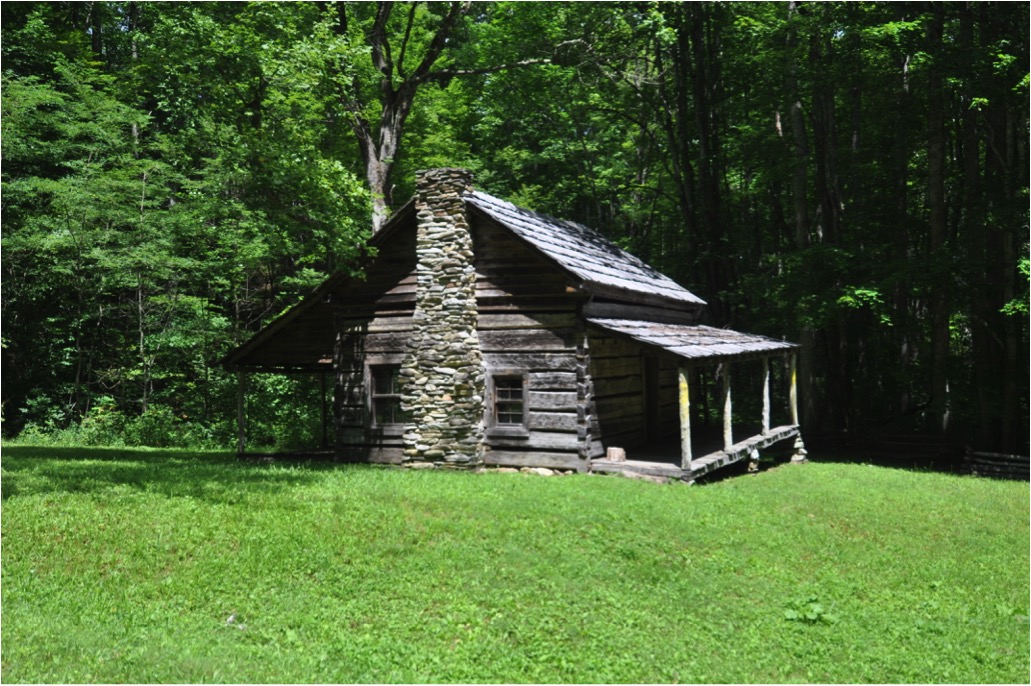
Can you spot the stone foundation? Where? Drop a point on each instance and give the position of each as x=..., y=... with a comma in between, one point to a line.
x=443, y=376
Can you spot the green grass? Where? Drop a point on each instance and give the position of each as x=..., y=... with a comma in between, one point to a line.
x=125, y=565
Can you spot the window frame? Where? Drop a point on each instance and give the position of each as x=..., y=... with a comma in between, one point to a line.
x=507, y=430
x=372, y=395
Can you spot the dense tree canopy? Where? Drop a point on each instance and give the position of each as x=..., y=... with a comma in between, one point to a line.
x=853, y=176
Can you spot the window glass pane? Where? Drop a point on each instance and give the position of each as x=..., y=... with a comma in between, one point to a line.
x=386, y=395
x=388, y=411
x=385, y=379
x=508, y=401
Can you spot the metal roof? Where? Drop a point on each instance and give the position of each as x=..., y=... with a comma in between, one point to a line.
x=584, y=252
x=694, y=342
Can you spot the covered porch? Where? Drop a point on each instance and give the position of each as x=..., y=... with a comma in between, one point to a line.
x=705, y=354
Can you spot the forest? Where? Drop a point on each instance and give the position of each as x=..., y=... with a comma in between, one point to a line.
x=851, y=176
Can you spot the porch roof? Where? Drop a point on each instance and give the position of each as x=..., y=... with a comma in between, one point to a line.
x=695, y=342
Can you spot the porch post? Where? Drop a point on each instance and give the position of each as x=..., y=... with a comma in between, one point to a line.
x=728, y=420
x=800, y=451
x=793, y=395
x=766, y=396
x=685, y=419
x=241, y=413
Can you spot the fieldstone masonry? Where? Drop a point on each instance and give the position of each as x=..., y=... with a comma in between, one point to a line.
x=443, y=377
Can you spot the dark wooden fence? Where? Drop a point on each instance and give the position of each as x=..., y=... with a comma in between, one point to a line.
x=997, y=465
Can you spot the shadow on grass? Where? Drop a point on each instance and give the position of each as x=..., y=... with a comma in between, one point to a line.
x=209, y=476
x=944, y=464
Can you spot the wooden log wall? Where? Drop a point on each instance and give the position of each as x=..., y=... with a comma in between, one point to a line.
x=620, y=406
x=527, y=324
x=514, y=277
x=669, y=403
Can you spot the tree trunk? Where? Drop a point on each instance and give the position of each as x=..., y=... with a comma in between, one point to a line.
x=938, y=223
x=706, y=107
x=675, y=118
x=799, y=192
x=898, y=163
x=397, y=88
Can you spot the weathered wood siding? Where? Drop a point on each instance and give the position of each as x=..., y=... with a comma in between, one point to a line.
x=669, y=401
x=632, y=406
x=373, y=321
x=514, y=277
x=362, y=342
x=528, y=326
x=617, y=377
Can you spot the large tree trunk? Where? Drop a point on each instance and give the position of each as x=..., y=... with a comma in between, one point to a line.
x=398, y=85
x=800, y=196
x=703, y=40
x=938, y=223
x=840, y=355
x=905, y=340
x=675, y=115
x=974, y=240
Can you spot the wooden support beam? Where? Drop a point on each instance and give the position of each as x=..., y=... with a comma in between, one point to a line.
x=685, y=419
x=793, y=395
x=728, y=419
x=241, y=413
x=766, y=396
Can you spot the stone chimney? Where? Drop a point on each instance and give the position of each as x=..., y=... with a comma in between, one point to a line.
x=443, y=376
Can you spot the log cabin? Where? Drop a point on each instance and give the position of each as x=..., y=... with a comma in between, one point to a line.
x=483, y=334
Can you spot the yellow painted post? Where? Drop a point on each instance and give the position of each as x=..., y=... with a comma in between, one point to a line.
x=728, y=419
x=685, y=420
x=793, y=396
x=766, y=396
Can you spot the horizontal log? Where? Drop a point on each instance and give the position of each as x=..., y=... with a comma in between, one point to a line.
x=607, y=426
x=617, y=385
x=611, y=310
x=637, y=467
x=548, y=320
x=619, y=405
x=546, y=381
x=517, y=263
x=385, y=324
x=501, y=302
x=539, y=340
x=615, y=366
x=394, y=300
x=1004, y=457
x=386, y=343
x=534, y=458
x=552, y=400
x=613, y=347
x=538, y=440
x=552, y=421
x=532, y=361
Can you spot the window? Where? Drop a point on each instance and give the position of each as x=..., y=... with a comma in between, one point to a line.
x=386, y=395
x=509, y=402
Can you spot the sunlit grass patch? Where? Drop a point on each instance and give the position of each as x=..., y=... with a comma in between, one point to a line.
x=176, y=566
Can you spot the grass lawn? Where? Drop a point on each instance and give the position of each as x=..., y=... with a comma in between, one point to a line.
x=168, y=566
